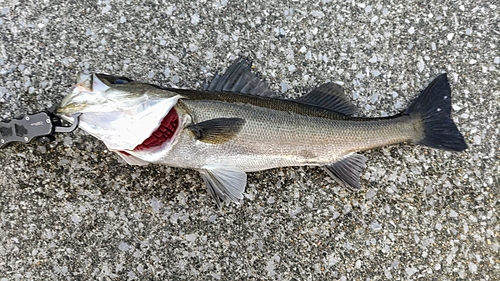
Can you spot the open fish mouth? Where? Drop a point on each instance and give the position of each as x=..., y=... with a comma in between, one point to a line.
x=162, y=134
x=165, y=131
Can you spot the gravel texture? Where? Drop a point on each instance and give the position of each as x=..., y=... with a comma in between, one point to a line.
x=71, y=210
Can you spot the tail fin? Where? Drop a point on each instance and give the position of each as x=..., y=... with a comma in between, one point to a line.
x=433, y=105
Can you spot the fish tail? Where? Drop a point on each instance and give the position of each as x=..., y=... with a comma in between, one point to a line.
x=433, y=107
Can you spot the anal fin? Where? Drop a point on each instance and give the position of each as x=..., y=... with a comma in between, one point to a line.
x=224, y=183
x=347, y=171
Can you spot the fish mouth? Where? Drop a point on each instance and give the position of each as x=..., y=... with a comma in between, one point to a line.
x=161, y=135
x=166, y=129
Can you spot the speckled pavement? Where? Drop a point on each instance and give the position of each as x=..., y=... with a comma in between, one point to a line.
x=72, y=210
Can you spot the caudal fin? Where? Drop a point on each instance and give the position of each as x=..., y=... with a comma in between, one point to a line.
x=433, y=105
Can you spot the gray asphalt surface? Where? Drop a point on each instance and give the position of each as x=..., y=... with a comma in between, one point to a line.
x=73, y=210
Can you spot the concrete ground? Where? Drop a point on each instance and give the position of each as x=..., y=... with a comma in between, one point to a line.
x=72, y=210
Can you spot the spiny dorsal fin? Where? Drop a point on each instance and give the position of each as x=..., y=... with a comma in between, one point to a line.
x=329, y=96
x=239, y=79
x=217, y=130
x=347, y=171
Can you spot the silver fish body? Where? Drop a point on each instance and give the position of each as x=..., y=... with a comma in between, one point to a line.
x=235, y=126
x=273, y=138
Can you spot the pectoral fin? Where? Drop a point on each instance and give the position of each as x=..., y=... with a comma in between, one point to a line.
x=217, y=130
x=224, y=183
x=347, y=171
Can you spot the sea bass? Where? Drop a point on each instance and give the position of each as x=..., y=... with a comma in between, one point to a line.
x=236, y=124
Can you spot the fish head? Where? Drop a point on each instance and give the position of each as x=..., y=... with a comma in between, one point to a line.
x=122, y=113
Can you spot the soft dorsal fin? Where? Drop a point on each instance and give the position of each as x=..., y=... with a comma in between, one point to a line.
x=347, y=171
x=329, y=96
x=218, y=130
x=239, y=79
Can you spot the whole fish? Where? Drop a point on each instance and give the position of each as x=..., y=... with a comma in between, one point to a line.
x=236, y=124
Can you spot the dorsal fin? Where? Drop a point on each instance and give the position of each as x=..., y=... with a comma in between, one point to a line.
x=329, y=96
x=239, y=79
